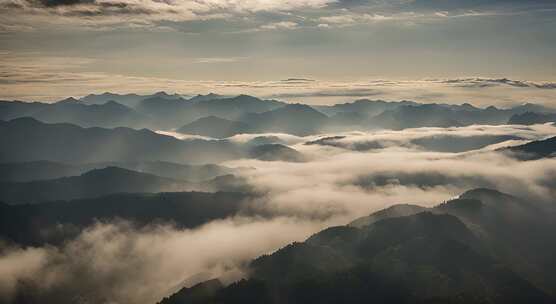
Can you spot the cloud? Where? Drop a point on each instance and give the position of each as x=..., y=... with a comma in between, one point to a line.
x=490, y=82
x=106, y=15
x=32, y=77
x=109, y=261
x=218, y=59
x=350, y=19
x=28, y=76
x=283, y=25
x=465, y=4
x=297, y=80
x=140, y=13
x=353, y=92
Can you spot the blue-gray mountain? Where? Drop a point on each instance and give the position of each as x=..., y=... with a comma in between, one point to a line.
x=248, y=114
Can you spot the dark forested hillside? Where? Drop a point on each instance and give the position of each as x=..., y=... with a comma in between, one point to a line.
x=55, y=222
x=462, y=251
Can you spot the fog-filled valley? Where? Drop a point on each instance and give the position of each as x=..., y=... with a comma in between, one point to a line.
x=234, y=199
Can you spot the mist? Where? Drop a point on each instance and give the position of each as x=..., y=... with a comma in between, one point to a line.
x=118, y=262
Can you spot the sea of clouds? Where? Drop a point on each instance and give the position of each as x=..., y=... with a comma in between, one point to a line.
x=346, y=176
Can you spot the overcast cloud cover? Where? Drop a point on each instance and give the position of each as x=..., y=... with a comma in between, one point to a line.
x=55, y=48
x=109, y=261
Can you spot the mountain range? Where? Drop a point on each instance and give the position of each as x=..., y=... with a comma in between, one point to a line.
x=29, y=140
x=483, y=247
x=248, y=114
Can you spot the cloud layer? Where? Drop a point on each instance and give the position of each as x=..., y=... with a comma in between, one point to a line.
x=53, y=78
x=116, y=262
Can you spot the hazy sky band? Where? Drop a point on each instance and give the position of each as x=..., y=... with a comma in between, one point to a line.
x=127, y=42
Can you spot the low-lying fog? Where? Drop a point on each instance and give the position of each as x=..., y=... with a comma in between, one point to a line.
x=346, y=176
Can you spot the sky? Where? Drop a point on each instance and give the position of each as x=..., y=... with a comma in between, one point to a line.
x=314, y=51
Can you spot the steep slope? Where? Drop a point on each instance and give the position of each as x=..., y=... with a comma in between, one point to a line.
x=391, y=212
x=420, y=258
x=516, y=231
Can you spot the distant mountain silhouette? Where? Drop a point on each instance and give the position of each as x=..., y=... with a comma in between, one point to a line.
x=216, y=127
x=367, y=108
x=36, y=170
x=175, y=112
x=234, y=107
x=40, y=170
x=455, y=144
x=531, y=118
x=109, y=114
x=442, y=115
x=297, y=119
x=533, y=150
x=531, y=107
x=165, y=111
x=158, y=107
x=474, y=249
x=94, y=183
x=265, y=140
x=37, y=224
x=191, y=173
x=209, y=96
x=130, y=100
x=418, y=116
x=276, y=152
x=26, y=139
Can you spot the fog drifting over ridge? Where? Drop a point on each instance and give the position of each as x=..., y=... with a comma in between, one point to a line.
x=109, y=261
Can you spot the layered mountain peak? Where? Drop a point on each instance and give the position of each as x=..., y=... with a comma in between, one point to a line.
x=299, y=108
x=69, y=100
x=207, y=97
x=163, y=94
